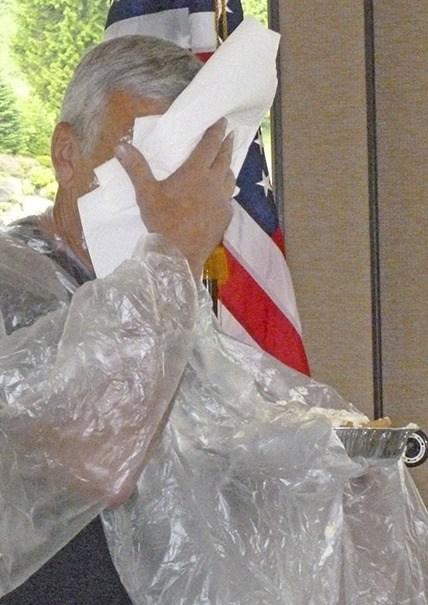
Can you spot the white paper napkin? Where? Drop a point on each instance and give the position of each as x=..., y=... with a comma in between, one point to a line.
x=238, y=82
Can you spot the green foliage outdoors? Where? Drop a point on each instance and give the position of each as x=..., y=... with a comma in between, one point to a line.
x=256, y=8
x=51, y=36
x=11, y=136
x=40, y=176
x=37, y=126
x=40, y=44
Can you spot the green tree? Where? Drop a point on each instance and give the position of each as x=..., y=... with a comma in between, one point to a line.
x=50, y=38
x=37, y=126
x=11, y=139
x=5, y=6
x=256, y=8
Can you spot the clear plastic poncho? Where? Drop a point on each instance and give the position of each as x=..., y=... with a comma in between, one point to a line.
x=241, y=498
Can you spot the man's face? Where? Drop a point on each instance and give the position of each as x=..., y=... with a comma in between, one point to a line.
x=117, y=124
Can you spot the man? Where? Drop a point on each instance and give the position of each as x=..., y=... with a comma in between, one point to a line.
x=45, y=260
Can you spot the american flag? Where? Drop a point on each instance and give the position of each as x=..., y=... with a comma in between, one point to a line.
x=256, y=304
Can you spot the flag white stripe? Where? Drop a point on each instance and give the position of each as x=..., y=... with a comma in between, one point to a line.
x=172, y=25
x=196, y=30
x=260, y=256
x=232, y=327
x=202, y=32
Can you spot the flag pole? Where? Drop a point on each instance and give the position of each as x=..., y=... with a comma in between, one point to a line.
x=216, y=268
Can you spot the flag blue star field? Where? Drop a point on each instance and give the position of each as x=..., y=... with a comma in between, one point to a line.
x=257, y=303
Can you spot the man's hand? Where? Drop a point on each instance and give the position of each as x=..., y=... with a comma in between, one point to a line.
x=192, y=207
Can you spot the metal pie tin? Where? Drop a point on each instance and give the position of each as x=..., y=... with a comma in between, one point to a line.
x=374, y=443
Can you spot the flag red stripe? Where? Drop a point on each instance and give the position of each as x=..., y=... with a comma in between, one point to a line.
x=261, y=318
x=205, y=56
x=278, y=237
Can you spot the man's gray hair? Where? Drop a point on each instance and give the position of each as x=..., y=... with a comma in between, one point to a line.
x=139, y=65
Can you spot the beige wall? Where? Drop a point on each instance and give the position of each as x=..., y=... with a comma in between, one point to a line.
x=401, y=37
x=324, y=123
x=326, y=189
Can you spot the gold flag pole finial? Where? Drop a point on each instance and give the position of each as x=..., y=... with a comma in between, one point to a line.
x=216, y=271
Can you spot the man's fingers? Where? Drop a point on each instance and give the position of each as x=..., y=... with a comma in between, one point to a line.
x=134, y=163
x=221, y=163
x=229, y=184
x=208, y=147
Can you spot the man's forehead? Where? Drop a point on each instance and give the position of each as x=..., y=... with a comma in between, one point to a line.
x=123, y=107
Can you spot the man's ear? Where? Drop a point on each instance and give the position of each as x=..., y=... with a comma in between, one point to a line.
x=65, y=154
